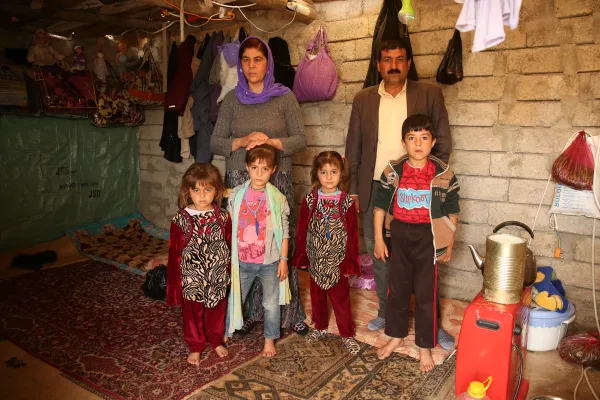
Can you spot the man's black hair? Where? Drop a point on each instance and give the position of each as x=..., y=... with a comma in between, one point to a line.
x=392, y=44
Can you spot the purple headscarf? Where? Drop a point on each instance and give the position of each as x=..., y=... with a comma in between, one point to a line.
x=270, y=90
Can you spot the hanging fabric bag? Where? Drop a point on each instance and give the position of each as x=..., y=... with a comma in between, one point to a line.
x=575, y=166
x=450, y=70
x=317, y=78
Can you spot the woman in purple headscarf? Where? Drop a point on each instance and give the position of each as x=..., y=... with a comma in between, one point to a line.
x=260, y=111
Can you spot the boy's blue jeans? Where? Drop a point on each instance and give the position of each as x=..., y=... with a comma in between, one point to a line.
x=267, y=273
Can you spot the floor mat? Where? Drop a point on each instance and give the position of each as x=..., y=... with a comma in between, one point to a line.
x=66, y=253
x=137, y=256
x=325, y=370
x=131, y=245
x=91, y=321
x=364, y=308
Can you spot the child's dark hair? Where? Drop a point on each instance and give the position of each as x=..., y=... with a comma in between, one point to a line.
x=334, y=159
x=264, y=152
x=205, y=175
x=417, y=122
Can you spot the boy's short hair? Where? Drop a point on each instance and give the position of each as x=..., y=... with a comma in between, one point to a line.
x=417, y=122
x=393, y=44
x=264, y=152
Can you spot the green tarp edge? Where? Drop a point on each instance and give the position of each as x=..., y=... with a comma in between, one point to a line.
x=56, y=174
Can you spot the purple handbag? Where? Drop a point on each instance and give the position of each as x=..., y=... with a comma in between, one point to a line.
x=317, y=78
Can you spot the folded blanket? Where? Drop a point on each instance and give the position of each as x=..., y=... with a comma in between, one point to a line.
x=130, y=245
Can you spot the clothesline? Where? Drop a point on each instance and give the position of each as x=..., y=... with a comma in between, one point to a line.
x=230, y=28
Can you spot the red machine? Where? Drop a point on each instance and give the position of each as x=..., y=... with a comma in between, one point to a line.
x=493, y=342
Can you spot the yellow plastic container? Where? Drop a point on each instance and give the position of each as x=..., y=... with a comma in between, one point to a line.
x=477, y=391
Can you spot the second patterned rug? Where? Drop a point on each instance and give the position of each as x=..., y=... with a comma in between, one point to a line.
x=325, y=370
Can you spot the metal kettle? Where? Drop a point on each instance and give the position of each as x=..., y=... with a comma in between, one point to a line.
x=508, y=265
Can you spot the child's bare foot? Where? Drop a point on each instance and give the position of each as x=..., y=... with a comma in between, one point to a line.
x=194, y=358
x=269, y=349
x=389, y=348
x=221, y=351
x=427, y=363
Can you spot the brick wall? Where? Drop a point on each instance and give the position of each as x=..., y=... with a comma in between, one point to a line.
x=510, y=117
x=159, y=178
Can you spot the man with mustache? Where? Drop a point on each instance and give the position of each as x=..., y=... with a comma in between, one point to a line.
x=374, y=138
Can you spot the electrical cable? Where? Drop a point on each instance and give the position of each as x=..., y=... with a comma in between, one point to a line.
x=584, y=370
x=238, y=7
x=588, y=382
x=539, y=207
x=182, y=10
x=594, y=275
x=520, y=371
x=162, y=29
x=127, y=31
x=555, y=226
x=209, y=19
x=262, y=30
x=584, y=374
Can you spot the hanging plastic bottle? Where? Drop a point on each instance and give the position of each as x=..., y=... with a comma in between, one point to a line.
x=476, y=391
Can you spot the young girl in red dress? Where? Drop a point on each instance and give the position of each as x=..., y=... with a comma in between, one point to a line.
x=327, y=244
x=198, y=271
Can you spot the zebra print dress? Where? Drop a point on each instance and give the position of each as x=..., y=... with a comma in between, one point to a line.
x=205, y=259
x=326, y=252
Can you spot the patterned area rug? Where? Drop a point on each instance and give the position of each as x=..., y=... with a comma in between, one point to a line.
x=91, y=321
x=364, y=308
x=325, y=370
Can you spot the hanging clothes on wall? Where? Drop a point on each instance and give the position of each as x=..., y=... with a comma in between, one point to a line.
x=169, y=140
x=388, y=27
x=215, y=87
x=186, y=130
x=242, y=35
x=228, y=60
x=215, y=71
x=178, y=89
x=488, y=18
x=201, y=92
x=284, y=72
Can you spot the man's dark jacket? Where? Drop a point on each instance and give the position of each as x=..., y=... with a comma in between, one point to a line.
x=361, y=142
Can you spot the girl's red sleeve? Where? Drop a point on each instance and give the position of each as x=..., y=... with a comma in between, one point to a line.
x=174, y=287
x=300, y=258
x=351, y=264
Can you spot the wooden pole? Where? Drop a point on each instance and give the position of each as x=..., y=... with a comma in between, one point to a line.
x=181, y=23
x=165, y=56
x=82, y=16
